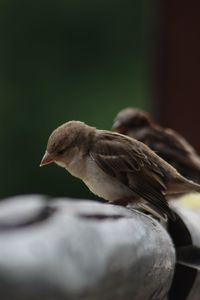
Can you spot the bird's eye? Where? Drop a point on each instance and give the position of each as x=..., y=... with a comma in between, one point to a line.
x=61, y=151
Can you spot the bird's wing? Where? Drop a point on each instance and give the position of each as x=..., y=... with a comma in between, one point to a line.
x=185, y=153
x=133, y=164
x=171, y=146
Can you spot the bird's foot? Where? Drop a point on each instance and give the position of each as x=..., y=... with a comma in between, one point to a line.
x=122, y=201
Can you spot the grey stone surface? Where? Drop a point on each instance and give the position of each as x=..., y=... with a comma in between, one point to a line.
x=64, y=249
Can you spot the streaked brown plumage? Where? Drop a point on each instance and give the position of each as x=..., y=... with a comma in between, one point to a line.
x=115, y=167
x=167, y=143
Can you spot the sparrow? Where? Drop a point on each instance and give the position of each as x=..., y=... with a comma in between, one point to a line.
x=115, y=167
x=166, y=142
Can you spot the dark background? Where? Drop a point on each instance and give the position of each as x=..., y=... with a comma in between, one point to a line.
x=83, y=60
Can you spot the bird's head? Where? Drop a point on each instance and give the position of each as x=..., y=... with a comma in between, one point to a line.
x=130, y=119
x=61, y=141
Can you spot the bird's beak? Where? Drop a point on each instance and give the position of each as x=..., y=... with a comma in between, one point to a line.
x=117, y=126
x=47, y=159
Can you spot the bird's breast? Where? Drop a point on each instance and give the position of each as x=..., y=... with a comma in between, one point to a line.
x=76, y=168
x=103, y=185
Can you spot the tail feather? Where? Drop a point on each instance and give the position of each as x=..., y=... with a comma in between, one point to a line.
x=181, y=186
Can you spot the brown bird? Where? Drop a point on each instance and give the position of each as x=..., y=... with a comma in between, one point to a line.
x=115, y=167
x=167, y=143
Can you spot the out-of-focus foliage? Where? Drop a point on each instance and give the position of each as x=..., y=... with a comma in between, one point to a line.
x=63, y=60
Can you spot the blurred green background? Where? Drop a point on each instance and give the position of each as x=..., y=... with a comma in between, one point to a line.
x=64, y=60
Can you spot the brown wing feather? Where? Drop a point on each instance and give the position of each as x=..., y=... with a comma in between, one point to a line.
x=130, y=163
x=169, y=145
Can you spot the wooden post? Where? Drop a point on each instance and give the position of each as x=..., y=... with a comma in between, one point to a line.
x=178, y=80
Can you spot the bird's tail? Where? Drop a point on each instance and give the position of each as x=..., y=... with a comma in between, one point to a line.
x=182, y=186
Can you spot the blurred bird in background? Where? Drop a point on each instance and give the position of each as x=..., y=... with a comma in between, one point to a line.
x=166, y=142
